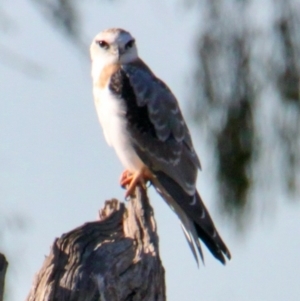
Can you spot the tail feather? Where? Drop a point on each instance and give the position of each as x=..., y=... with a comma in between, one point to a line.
x=190, y=233
x=214, y=249
x=194, y=217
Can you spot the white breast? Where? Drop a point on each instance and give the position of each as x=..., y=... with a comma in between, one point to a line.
x=111, y=112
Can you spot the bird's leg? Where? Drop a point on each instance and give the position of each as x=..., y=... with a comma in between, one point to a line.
x=133, y=179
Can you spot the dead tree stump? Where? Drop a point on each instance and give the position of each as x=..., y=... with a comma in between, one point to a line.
x=3, y=268
x=113, y=259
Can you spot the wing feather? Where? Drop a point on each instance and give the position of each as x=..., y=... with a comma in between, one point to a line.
x=162, y=141
x=170, y=148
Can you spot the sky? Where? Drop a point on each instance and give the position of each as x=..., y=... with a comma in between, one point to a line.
x=56, y=169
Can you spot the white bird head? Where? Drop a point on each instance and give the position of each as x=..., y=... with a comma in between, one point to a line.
x=113, y=46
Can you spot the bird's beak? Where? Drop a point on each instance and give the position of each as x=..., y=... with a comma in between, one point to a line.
x=120, y=52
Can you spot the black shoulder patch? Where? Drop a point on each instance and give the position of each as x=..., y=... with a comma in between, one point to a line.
x=137, y=116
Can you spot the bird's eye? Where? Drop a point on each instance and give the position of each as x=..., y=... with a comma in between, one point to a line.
x=129, y=44
x=103, y=44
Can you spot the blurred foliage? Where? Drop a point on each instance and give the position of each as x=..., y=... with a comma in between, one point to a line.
x=248, y=94
x=11, y=58
x=65, y=16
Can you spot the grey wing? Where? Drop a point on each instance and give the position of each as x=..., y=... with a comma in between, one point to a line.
x=168, y=147
x=162, y=140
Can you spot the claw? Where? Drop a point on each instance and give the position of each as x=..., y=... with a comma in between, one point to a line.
x=131, y=180
x=125, y=178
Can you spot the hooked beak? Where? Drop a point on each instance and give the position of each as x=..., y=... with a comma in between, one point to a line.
x=119, y=52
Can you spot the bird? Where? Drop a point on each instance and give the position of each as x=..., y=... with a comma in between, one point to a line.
x=141, y=119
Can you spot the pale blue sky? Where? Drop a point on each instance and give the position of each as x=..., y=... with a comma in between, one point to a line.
x=56, y=169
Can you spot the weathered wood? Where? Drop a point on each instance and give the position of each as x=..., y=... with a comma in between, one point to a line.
x=113, y=259
x=3, y=268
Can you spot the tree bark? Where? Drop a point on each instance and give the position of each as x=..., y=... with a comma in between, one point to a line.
x=3, y=268
x=113, y=259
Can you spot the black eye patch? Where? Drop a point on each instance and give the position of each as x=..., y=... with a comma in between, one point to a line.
x=129, y=44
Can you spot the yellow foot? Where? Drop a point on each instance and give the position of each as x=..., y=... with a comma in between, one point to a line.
x=131, y=180
x=125, y=178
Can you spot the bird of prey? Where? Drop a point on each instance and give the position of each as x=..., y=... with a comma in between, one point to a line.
x=142, y=121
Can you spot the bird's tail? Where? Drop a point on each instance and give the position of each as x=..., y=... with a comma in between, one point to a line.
x=196, y=221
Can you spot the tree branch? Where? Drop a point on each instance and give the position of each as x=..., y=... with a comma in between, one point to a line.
x=3, y=268
x=115, y=258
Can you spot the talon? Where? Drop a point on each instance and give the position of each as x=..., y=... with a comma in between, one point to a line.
x=131, y=180
x=125, y=178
